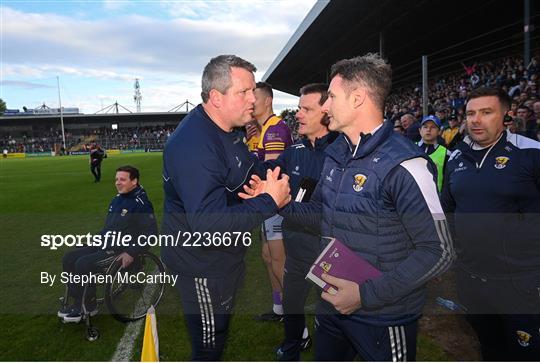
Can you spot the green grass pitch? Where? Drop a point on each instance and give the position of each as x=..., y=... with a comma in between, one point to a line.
x=58, y=196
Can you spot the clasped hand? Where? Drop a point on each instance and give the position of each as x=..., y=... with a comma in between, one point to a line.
x=277, y=188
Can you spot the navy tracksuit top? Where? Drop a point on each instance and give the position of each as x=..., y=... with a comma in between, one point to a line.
x=495, y=205
x=381, y=201
x=131, y=213
x=299, y=161
x=204, y=168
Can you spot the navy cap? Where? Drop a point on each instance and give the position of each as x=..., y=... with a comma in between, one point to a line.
x=432, y=118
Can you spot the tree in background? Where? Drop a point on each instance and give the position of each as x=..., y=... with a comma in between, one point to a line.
x=2, y=106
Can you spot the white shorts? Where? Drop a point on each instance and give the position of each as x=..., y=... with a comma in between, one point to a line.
x=271, y=228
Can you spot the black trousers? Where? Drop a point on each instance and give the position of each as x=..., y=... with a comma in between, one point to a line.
x=95, y=168
x=207, y=305
x=295, y=292
x=82, y=261
x=505, y=314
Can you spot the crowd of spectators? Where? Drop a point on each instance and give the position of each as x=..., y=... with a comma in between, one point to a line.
x=44, y=142
x=447, y=97
x=122, y=138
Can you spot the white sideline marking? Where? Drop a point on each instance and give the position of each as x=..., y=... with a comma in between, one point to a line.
x=124, y=349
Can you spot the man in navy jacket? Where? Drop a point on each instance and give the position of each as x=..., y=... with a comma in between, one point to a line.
x=302, y=162
x=378, y=196
x=492, y=193
x=130, y=213
x=205, y=166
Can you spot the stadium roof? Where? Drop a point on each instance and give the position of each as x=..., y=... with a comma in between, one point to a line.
x=448, y=32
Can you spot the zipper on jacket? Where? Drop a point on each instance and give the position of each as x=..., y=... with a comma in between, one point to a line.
x=335, y=200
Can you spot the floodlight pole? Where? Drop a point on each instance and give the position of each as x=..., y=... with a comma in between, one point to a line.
x=424, y=85
x=61, y=114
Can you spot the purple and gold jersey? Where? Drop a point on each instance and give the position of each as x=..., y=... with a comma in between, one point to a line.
x=275, y=137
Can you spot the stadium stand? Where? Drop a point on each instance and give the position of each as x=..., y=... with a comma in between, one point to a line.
x=447, y=94
x=147, y=138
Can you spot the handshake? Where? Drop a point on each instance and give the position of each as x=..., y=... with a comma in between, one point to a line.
x=278, y=188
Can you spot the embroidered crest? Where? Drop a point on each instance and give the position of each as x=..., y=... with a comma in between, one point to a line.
x=523, y=338
x=501, y=162
x=359, y=181
x=124, y=212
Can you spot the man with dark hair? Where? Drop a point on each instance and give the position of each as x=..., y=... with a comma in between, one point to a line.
x=205, y=166
x=274, y=138
x=526, y=114
x=377, y=195
x=492, y=194
x=130, y=213
x=97, y=154
x=303, y=163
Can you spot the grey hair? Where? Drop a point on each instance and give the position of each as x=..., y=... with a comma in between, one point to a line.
x=369, y=71
x=217, y=73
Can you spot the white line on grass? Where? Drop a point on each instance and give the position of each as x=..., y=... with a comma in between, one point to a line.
x=124, y=349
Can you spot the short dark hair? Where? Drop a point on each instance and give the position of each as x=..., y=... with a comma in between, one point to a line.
x=266, y=88
x=133, y=171
x=217, y=74
x=320, y=88
x=370, y=71
x=503, y=97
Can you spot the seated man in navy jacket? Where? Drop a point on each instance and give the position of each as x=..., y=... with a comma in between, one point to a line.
x=130, y=213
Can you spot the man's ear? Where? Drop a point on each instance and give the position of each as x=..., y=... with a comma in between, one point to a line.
x=358, y=96
x=268, y=101
x=215, y=98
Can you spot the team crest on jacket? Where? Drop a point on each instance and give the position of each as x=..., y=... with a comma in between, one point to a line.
x=325, y=266
x=359, y=181
x=124, y=212
x=523, y=338
x=501, y=162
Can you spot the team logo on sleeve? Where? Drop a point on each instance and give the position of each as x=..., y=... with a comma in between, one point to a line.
x=359, y=181
x=501, y=162
x=124, y=212
x=523, y=338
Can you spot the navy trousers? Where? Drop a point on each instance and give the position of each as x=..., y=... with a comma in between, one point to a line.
x=82, y=261
x=505, y=314
x=295, y=292
x=342, y=337
x=207, y=304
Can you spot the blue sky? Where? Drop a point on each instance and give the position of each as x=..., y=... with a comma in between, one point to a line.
x=98, y=48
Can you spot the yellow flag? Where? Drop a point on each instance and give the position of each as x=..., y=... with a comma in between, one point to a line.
x=150, y=348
